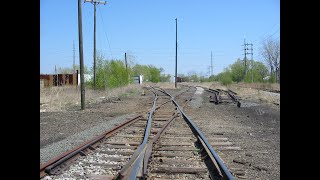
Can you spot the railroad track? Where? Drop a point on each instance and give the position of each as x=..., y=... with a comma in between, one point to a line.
x=226, y=96
x=165, y=144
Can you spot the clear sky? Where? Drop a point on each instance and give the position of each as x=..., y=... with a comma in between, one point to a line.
x=146, y=30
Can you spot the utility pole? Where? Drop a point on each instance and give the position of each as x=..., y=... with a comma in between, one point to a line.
x=95, y=2
x=211, y=65
x=55, y=71
x=251, y=62
x=245, y=55
x=175, y=85
x=74, y=57
x=125, y=59
x=81, y=55
x=209, y=71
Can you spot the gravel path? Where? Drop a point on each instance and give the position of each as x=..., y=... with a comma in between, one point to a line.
x=196, y=99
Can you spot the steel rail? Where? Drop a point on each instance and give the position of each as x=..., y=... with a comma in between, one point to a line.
x=233, y=92
x=131, y=169
x=225, y=172
x=141, y=156
x=234, y=98
x=154, y=140
x=230, y=93
x=216, y=94
x=51, y=164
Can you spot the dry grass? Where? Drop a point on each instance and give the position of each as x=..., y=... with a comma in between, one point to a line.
x=60, y=98
x=266, y=86
x=212, y=85
x=170, y=85
x=256, y=95
x=163, y=85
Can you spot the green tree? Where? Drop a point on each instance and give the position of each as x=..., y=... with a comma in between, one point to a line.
x=116, y=73
x=141, y=70
x=101, y=75
x=110, y=73
x=165, y=77
x=204, y=79
x=149, y=72
x=193, y=77
x=237, y=71
x=154, y=74
x=255, y=73
x=226, y=77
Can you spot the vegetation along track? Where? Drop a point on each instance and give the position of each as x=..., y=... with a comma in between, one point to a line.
x=135, y=150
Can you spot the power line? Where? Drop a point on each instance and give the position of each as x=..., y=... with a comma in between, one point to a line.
x=265, y=33
x=74, y=57
x=106, y=34
x=275, y=32
x=211, y=65
x=269, y=36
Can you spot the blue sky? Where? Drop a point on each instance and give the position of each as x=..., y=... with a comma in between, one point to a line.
x=146, y=30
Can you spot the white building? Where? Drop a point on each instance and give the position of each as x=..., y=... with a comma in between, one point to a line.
x=138, y=79
x=87, y=77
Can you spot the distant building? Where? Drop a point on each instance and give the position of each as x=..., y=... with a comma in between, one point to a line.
x=179, y=79
x=49, y=80
x=87, y=77
x=266, y=78
x=138, y=79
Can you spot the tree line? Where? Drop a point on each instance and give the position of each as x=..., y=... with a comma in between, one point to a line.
x=112, y=73
x=115, y=73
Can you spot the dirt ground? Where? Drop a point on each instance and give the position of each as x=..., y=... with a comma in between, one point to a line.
x=254, y=127
x=55, y=126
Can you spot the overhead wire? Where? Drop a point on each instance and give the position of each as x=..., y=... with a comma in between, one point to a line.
x=106, y=34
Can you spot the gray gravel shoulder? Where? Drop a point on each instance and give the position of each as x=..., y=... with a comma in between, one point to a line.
x=197, y=99
x=255, y=128
x=53, y=150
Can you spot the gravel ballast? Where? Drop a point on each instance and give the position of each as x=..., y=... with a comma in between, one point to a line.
x=57, y=148
x=196, y=99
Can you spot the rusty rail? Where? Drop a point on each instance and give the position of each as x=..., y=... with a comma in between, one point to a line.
x=217, y=96
x=220, y=171
x=140, y=158
x=49, y=166
x=131, y=169
x=154, y=140
x=234, y=98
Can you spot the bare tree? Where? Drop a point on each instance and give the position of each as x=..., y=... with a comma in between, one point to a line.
x=271, y=54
